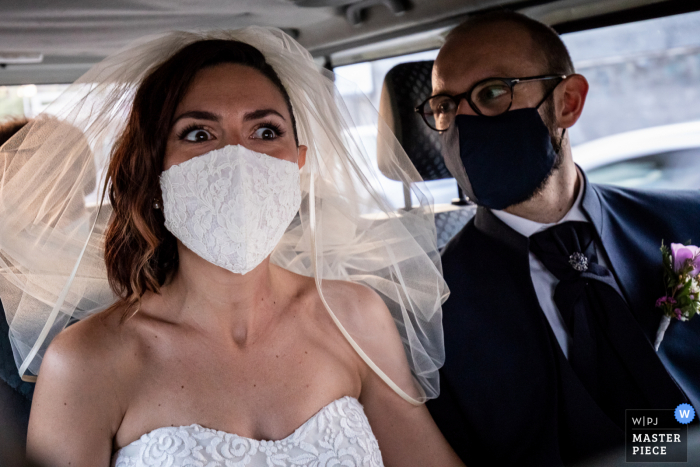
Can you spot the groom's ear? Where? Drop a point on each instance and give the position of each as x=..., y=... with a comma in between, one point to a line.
x=569, y=98
x=301, y=160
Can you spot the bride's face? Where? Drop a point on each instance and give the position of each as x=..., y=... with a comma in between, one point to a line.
x=227, y=105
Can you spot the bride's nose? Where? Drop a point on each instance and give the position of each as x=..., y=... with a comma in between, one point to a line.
x=232, y=136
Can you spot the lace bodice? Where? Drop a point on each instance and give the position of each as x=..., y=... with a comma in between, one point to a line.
x=339, y=434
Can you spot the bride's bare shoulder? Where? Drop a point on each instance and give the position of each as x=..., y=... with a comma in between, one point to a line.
x=359, y=309
x=355, y=298
x=95, y=347
x=83, y=381
x=365, y=317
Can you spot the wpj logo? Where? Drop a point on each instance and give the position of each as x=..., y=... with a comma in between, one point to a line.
x=658, y=435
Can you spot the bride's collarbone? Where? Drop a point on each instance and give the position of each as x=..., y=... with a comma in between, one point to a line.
x=262, y=391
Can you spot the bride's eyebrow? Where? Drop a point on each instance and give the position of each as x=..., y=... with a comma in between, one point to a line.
x=262, y=113
x=199, y=115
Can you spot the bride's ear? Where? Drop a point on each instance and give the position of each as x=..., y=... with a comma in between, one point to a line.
x=301, y=160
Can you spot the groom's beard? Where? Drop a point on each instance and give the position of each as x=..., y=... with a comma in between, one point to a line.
x=555, y=133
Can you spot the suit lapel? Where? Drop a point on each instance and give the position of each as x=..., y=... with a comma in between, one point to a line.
x=639, y=277
x=628, y=258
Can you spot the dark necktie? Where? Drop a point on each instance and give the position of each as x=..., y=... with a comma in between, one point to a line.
x=609, y=352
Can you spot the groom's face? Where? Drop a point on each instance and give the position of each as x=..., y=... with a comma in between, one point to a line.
x=502, y=50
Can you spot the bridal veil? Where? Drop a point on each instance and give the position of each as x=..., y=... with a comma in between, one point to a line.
x=53, y=214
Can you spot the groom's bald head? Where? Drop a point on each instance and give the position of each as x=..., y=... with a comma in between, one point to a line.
x=537, y=42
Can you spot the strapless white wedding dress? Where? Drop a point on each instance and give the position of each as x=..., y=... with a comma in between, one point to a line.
x=338, y=435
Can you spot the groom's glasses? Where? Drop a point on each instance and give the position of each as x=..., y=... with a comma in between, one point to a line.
x=489, y=98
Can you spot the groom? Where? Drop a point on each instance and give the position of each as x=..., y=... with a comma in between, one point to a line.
x=551, y=320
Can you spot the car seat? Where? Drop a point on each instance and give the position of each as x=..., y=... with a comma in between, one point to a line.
x=405, y=86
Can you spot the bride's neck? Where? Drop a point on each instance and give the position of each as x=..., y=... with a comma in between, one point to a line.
x=218, y=300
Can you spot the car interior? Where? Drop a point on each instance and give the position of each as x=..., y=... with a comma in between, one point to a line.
x=642, y=58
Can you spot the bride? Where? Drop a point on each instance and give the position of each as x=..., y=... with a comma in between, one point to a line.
x=245, y=296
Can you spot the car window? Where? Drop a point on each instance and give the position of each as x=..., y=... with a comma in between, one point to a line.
x=642, y=115
x=27, y=100
x=665, y=170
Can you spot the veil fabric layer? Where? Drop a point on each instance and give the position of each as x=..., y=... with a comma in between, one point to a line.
x=53, y=214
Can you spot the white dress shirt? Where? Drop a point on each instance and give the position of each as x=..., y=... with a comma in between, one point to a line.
x=544, y=281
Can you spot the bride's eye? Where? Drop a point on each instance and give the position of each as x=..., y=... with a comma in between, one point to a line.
x=268, y=131
x=195, y=135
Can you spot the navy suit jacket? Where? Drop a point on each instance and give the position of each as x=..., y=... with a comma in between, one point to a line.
x=508, y=395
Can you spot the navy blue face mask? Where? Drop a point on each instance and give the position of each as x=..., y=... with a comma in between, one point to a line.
x=506, y=158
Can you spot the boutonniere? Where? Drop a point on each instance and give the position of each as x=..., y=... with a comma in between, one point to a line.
x=681, y=265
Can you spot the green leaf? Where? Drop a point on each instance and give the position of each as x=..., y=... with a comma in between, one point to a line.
x=686, y=288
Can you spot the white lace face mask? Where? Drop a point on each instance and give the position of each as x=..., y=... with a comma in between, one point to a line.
x=231, y=206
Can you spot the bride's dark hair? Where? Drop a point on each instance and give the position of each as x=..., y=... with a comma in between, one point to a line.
x=140, y=253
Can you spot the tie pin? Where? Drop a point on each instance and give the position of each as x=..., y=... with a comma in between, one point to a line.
x=579, y=262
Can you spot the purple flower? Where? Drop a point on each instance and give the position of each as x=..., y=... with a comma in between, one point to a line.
x=665, y=299
x=682, y=253
x=677, y=311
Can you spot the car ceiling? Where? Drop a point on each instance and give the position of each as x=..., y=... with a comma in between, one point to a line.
x=71, y=35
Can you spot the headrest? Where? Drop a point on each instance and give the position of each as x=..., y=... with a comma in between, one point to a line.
x=405, y=86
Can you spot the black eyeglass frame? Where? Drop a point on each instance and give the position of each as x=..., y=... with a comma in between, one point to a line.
x=510, y=82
